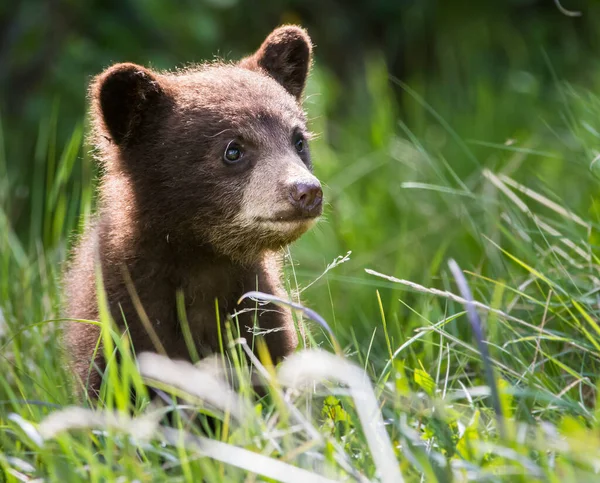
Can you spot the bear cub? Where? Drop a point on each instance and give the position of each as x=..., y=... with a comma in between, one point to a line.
x=206, y=176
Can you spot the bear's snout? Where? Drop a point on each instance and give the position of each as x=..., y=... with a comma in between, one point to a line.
x=307, y=198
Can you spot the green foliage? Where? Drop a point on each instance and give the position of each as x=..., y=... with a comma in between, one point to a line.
x=495, y=167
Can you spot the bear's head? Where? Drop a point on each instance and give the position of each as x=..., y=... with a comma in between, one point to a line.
x=216, y=155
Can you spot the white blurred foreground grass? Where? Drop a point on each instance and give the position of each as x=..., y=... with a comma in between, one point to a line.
x=305, y=368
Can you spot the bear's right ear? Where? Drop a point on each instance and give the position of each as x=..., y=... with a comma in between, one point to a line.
x=122, y=94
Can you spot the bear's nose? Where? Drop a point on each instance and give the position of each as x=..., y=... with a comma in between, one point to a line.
x=307, y=198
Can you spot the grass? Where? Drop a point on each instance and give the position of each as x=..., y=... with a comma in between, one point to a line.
x=506, y=186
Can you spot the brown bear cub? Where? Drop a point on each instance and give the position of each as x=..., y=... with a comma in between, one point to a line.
x=206, y=176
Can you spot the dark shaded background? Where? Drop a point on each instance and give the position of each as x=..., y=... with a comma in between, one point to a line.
x=402, y=91
x=49, y=49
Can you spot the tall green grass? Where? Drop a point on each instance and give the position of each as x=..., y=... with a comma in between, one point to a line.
x=506, y=186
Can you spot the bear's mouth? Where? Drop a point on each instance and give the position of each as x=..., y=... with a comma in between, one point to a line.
x=287, y=218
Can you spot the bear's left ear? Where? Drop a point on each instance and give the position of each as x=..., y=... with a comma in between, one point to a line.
x=286, y=56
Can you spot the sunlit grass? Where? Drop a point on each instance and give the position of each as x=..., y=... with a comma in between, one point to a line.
x=398, y=388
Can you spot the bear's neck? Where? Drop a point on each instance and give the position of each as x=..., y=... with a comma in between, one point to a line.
x=135, y=234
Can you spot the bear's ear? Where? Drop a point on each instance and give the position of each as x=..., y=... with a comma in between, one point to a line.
x=286, y=56
x=121, y=96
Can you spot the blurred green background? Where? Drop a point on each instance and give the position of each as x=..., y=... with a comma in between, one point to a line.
x=411, y=100
x=445, y=129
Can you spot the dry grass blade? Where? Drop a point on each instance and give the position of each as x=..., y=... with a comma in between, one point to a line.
x=337, y=261
x=145, y=428
x=450, y=296
x=67, y=419
x=203, y=384
x=243, y=458
x=540, y=199
x=501, y=183
x=316, y=438
x=311, y=314
x=314, y=366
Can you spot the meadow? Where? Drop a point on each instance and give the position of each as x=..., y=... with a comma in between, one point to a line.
x=416, y=379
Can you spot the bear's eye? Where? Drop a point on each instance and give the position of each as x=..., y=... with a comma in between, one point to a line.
x=233, y=153
x=299, y=142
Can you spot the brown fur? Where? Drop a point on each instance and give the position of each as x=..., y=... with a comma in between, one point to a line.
x=175, y=216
